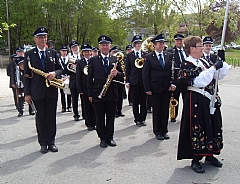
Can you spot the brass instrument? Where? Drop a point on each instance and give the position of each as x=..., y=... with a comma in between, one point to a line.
x=120, y=58
x=139, y=62
x=173, y=102
x=85, y=70
x=147, y=45
x=107, y=84
x=58, y=83
x=72, y=64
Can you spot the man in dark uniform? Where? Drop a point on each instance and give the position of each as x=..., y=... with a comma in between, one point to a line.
x=94, y=51
x=207, y=45
x=157, y=84
x=18, y=83
x=9, y=69
x=36, y=91
x=74, y=45
x=179, y=57
x=129, y=48
x=102, y=67
x=82, y=73
x=134, y=81
x=63, y=61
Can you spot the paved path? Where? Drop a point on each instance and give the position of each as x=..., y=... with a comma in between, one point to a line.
x=138, y=158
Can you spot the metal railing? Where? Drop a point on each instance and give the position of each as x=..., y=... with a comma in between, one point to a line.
x=233, y=61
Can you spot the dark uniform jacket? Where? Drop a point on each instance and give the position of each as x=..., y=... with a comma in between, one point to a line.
x=97, y=78
x=81, y=77
x=34, y=83
x=155, y=78
x=133, y=74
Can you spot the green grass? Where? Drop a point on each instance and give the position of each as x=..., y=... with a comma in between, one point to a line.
x=233, y=57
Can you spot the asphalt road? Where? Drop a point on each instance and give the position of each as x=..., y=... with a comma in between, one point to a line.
x=138, y=158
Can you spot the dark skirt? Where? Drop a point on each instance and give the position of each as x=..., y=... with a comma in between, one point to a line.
x=200, y=132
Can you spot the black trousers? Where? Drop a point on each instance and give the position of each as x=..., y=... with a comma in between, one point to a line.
x=139, y=98
x=63, y=100
x=21, y=100
x=129, y=96
x=176, y=95
x=160, y=105
x=105, y=128
x=120, y=98
x=82, y=106
x=46, y=120
x=75, y=96
x=15, y=96
x=89, y=112
x=149, y=102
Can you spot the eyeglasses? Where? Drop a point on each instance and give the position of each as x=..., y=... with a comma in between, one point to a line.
x=199, y=46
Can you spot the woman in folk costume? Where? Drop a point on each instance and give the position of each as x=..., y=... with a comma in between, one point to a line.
x=200, y=133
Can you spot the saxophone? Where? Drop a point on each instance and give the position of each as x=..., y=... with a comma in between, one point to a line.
x=107, y=84
x=173, y=102
x=58, y=83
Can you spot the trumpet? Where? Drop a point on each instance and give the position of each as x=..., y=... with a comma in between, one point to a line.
x=58, y=83
x=139, y=62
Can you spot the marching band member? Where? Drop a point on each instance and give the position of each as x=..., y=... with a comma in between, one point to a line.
x=135, y=83
x=200, y=135
x=129, y=48
x=35, y=89
x=94, y=51
x=104, y=67
x=157, y=84
x=74, y=45
x=82, y=73
x=179, y=56
x=63, y=61
x=18, y=80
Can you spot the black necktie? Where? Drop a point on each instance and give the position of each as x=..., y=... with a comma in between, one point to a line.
x=137, y=54
x=161, y=60
x=105, y=64
x=43, y=59
x=64, y=59
x=181, y=55
x=207, y=57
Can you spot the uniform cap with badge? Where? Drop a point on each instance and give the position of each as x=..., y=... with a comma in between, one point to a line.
x=207, y=40
x=63, y=48
x=114, y=49
x=20, y=49
x=19, y=60
x=86, y=46
x=178, y=37
x=104, y=39
x=73, y=44
x=41, y=31
x=129, y=47
x=136, y=38
x=158, y=38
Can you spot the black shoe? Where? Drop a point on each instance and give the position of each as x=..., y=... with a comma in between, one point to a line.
x=32, y=113
x=90, y=128
x=53, y=148
x=143, y=123
x=63, y=110
x=166, y=136
x=139, y=124
x=111, y=142
x=20, y=114
x=159, y=137
x=211, y=160
x=116, y=115
x=149, y=111
x=103, y=144
x=173, y=120
x=121, y=114
x=69, y=109
x=76, y=118
x=196, y=166
x=44, y=149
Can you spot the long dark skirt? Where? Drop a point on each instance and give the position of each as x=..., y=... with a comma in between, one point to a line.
x=200, y=132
